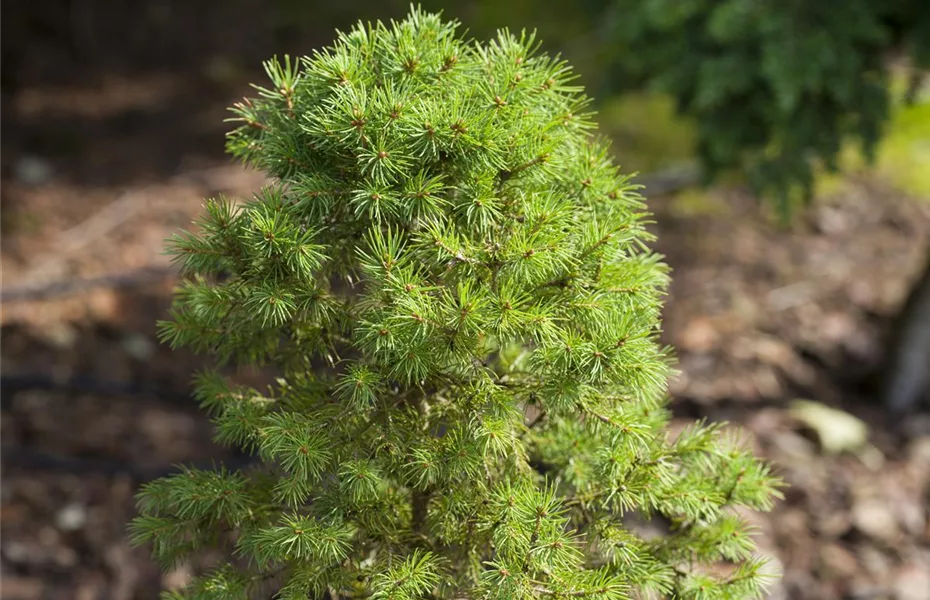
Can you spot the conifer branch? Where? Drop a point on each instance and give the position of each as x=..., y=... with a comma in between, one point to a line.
x=505, y=175
x=570, y=593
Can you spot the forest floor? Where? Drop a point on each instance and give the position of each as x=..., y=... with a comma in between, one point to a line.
x=761, y=317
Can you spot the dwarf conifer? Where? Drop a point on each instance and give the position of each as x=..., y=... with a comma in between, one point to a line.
x=453, y=283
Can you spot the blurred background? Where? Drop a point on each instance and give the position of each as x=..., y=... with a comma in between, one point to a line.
x=112, y=135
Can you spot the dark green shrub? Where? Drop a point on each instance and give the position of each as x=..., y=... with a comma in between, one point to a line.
x=774, y=87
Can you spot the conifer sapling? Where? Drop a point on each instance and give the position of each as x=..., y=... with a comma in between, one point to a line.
x=453, y=282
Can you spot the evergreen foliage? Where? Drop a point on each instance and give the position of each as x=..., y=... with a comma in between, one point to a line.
x=454, y=283
x=776, y=87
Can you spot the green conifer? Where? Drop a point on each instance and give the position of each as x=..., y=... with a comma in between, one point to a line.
x=453, y=281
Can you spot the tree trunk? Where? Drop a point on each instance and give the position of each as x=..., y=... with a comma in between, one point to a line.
x=905, y=375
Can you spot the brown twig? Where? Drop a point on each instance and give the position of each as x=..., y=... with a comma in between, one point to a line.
x=64, y=287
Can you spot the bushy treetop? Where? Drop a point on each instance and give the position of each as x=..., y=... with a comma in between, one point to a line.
x=776, y=87
x=453, y=282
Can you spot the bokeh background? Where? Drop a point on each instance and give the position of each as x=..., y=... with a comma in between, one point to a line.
x=112, y=134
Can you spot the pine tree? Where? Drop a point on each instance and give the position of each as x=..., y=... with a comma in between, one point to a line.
x=453, y=281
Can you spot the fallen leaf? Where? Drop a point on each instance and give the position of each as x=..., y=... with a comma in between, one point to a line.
x=837, y=431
